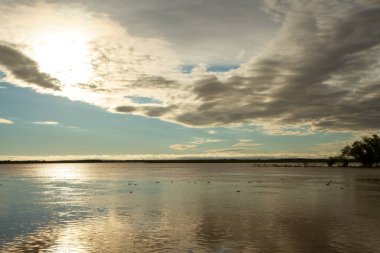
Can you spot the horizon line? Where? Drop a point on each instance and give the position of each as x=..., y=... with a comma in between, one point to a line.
x=194, y=160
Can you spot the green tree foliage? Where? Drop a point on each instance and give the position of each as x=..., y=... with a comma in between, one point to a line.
x=366, y=151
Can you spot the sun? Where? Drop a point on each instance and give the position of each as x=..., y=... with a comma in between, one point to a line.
x=64, y=54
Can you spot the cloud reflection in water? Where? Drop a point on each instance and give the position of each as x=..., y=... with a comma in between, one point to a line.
x=120, y=207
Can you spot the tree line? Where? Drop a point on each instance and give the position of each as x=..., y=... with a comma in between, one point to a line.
x=366, y=151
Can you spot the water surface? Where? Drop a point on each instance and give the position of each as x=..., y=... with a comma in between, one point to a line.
x=188, y=208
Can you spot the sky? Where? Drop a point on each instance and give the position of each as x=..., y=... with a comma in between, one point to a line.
x=167, y=79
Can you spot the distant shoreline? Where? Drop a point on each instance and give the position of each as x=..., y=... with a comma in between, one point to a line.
x=284, y=160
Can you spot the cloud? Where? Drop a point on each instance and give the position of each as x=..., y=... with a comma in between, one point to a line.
x=66, y=50
x=198, y=141
x=243, y=147
x=6, y=121
x=194, y=144
x=125, y=109
x=246, y=144
x=233, y=150
x=46, y=123
x=196, y=28
x=25, y=69
x=284, y=129
x=320, y=73
x=182, y=146
x=157, y=111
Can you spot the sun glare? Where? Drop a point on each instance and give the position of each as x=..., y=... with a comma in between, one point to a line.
x=64, y=171
x=65, y=55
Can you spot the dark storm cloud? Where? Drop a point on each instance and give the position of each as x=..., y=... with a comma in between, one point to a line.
x=25, y=69
x=323, y=74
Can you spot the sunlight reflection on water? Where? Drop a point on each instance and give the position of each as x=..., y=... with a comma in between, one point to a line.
x=61, y=171
x=187, y=208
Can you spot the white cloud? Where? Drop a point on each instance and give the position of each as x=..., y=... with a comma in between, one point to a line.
x=194, y=144
x=236, y=151
x=243, y=147
x=46, y=123
x=6, y=121
x=246, y=144
x=198, y=141
x=286, y=129
x=182, y=146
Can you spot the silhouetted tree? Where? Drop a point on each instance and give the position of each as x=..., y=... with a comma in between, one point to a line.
x=344, y=157
x=362, y=152
x=331, y=161
x=366, y=151
x=374, y=144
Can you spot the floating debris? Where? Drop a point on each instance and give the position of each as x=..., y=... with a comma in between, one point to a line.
x=238, y=191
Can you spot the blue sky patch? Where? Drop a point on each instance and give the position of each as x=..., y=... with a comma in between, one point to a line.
x=143, y=100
